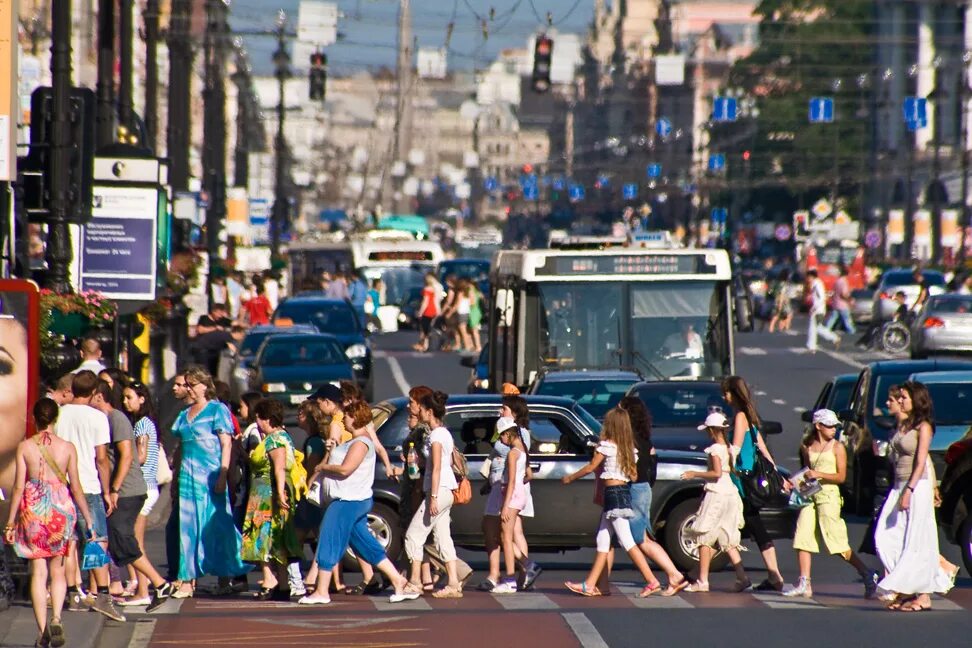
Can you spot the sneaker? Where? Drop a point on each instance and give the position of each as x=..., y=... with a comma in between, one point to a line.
x=506, y=586
x=160, y=596
x=486, y=586
x=802, y=588
x=104, y=605
x=298, y=589
x=533, y=570
x=134, y=602
x=76, y=602
x=871, y=580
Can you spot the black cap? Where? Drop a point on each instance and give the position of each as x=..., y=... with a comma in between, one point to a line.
x=327, y=391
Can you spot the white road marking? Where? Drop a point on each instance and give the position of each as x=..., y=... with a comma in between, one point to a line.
x=398, y=375
x=329, y=622
x=525, y=601
x=799, y=410
x=752, y=351
x=790, y=332
x=142, y=633
x=778, y=602
x=779, y=401
x=945, y=605
x=584, y=630
x=171, y=606
x=759, y=392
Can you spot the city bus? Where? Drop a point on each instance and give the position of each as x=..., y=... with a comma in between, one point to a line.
x=667, y=313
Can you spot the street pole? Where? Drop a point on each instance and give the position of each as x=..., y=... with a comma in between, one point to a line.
x=966, y=96
x=58, y=235
x=214, y=131
x=105, y=87
x=935, y=96
x=126, y=107
x=281, y=60
x=152, y=73
x=178, y=131
x=909, y=224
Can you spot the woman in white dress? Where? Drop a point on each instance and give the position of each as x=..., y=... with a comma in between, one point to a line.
x=906, y=535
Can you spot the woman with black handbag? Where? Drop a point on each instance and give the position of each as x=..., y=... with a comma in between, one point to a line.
x=747, y=440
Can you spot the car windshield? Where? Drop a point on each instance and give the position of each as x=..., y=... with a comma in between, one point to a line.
x=891, y=279
x=862, y=293
x=959, y=399
x=303, y=353
x=328, y=317
x=596, y=396
x=841, y=395
x=252, y=342
x=682, y=405
x=958, y=304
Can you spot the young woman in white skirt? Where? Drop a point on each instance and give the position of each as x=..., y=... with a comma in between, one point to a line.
x=906, y=535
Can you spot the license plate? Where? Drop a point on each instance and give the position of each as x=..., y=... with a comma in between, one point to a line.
x=297, y=399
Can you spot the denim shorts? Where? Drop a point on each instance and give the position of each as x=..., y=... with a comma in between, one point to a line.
x=617, y=502
x=99, y=519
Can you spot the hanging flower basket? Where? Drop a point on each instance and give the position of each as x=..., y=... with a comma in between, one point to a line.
x=71, y=316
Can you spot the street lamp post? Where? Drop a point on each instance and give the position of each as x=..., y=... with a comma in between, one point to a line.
x=965, y=93
x=281, y=60
x=935, y=97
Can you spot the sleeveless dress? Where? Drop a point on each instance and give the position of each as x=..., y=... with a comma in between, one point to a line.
x=821, y=520
x=208, y=539
x=720, y=515
x=269, y=534
x=46, y=519
x=907, y=541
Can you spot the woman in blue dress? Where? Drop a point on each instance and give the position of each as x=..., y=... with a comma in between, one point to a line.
x=209, y=541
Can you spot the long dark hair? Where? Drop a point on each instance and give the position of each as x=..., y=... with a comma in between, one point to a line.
x=434, y=401
x=147, y=409
x=922, y=409
x=520, y=409
x=640, y=417
x=742, y=398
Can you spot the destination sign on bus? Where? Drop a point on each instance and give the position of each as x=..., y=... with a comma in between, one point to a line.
x=626, y=264
x=401, y=255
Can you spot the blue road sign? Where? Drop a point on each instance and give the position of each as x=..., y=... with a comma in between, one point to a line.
x=531, y=192
x=559, y=184
x=720, y=215
x=821, y=110
x=528, y=180
x=576, y=192
x=717, y=162
x=654, y=170
x=663, y=127
x=491, y=183
x=724, y=109
x=603, y=182
x=630, y=191
x=915, y=111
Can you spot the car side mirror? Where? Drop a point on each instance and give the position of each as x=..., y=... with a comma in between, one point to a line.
x=884, y=422
x=806, y=416
x=468, y=361
x=772, y=427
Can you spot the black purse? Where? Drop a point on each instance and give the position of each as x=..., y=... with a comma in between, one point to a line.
x=763, y=485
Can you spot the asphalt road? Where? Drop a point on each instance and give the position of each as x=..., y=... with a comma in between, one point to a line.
x=785, y=380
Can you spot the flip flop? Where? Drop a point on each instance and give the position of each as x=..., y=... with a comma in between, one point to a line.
x=914, y=606
x=649, y=589
x=675, y=588
x=581, y=588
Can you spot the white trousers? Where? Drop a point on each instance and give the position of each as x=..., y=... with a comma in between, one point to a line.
x=423, y=523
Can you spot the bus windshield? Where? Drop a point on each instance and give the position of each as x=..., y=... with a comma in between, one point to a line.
x=664, y=329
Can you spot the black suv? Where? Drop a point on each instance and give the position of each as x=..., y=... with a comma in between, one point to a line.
x=566, y=516
x=868, y=429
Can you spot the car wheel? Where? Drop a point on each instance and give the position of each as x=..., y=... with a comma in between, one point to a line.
x=965, y=541
x=383, y=523
x=680, y=546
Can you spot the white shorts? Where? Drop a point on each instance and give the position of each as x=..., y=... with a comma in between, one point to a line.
x=151, y=497
x=527, y=510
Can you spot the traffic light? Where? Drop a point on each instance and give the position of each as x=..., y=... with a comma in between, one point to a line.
x=318, y=76
x=801, y=224
x=542, y=54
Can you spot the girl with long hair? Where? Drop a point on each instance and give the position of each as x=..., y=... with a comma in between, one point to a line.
x=906, y=535
x=615, y=461
x=747, y=441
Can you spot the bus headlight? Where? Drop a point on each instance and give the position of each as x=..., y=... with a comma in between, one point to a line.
x=356, y=351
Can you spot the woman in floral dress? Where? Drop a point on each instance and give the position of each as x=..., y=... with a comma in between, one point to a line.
x=42, y=516
x=269, y=534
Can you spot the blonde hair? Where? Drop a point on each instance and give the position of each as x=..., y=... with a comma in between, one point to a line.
x=617, y=428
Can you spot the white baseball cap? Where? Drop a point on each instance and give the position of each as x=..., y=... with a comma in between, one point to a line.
x=504, y=423
x=715, y=419
x=826, y=418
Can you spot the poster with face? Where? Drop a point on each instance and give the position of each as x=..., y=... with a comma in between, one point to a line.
x=19, y=369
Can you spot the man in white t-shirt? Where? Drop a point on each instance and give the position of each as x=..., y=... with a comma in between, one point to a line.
x=90, y=357
x=818, y=308
x=87, y=428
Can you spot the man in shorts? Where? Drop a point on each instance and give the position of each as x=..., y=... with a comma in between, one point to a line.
x=127, y=493
x=87, y=429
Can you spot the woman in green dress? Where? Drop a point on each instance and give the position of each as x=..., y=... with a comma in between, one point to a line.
x=269, y=535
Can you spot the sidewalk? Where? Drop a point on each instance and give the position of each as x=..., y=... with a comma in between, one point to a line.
x=18, y=628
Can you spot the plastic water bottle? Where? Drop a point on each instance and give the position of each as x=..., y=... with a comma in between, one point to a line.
x=412, y=460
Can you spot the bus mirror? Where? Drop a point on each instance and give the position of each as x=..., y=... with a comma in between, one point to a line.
x=504, y=304
x=744, y=315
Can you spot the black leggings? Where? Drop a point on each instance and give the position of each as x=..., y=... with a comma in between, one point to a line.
x=754, y=526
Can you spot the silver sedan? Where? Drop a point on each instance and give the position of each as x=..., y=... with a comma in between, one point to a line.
x=943, y=326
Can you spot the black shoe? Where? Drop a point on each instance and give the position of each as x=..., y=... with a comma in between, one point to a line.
x=240, y=584
x=768, y=586
x=280, y=595
x=356, y=590
x=161, y=595
x=375, y=586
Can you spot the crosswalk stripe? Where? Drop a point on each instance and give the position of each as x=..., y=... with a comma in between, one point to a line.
x=382, y=604
x=525, y=601
x=777, y=602
x=656, y=602
x=584, y=630
x=752, y=351
x=943, y=604
x=171, y=606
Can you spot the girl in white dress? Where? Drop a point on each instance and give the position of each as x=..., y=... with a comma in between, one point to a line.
x=906, y=535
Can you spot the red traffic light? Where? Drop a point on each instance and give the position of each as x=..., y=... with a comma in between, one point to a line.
x=318, y=59
x=544, y=46
x=528, y=168
x=746, y=155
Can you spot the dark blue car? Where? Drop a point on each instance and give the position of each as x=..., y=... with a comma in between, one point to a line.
x=338, y=318
x=290, y=367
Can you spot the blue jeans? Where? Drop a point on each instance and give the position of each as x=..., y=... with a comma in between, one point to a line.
x=99, y=519
x=845, y=318
x=641, y=504
x=346, y=522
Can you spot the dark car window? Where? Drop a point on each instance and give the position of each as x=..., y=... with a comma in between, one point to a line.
x=329, y=317
x=959, y=399
x=891, y=279
x=879, y=395
x=840, y=396
x=951, y=304
x=596, y=396
x=302, y=353
x=391, y=427
x=473, y=433
x=822, y=398
x=682, y=405
x=252, y=342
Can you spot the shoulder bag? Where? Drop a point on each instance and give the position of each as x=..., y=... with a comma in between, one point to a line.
x=163, y=471
x=763, y=485
x=462, y=493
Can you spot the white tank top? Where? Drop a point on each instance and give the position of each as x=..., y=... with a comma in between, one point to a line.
x=357, y=486
x=520, y=470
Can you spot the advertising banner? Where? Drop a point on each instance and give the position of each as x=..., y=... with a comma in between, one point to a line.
x=896, y=227
x=118, y=246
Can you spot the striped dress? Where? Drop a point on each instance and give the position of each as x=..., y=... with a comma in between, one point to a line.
x=150, y=469
x=208, y=538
